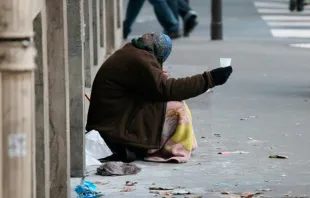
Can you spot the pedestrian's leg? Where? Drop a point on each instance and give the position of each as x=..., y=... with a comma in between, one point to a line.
x=133, y=9
x=300, y=5
x=166, y=17
x=174, y=5
x=188, y=15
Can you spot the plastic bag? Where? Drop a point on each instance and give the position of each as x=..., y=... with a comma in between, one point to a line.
x=87, y=190
x=95, y=148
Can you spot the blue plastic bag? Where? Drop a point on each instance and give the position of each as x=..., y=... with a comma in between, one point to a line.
x=87, y=190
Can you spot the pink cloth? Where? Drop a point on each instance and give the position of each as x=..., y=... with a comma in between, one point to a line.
x=178, y=138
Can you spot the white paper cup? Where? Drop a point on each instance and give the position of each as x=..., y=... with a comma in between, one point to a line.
x=225, y=62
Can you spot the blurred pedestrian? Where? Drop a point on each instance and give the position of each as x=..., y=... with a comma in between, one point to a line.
x=298, y=5
x=189, y=16
x=163, y=13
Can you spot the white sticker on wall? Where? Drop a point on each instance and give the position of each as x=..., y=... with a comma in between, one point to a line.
x=17, y=145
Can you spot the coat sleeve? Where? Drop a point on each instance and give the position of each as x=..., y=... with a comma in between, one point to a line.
x=159, y=87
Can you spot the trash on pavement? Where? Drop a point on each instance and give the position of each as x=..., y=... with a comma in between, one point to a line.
x=162, y=193
x=160, y=188
x=249, y=117
x=127, y=189
x=233, y=152
x=131, y=183
x=278, y=157
x=100, y=183
x=118, y=169
x=249, y=195
x=217, y=134
x=226, y=193
x=87, y=190
x=95, y=148
x=180, y=192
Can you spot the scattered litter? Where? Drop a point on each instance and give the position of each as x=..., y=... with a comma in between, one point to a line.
x=224, y=153
x=226, y=193
x=266, y=180
x=100, y=183
x=127, y=189
x=283, y=175
x=249, y=195
x=131, y=183
x=278, y=157
x=209, y=91
x=250, y=138
x=87, y=190
x=250, y=117
x=95, y=148
x=266, y=190
x=217, y=134
x=180, y=192
x=297, y=124
x=117, y=169
x=233, y=152
x=161, y=188
x=163, y=193
x=203, y=137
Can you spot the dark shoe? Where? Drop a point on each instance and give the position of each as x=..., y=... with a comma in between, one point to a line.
x=190, y=25
x=300, y=5
x=173, y=35
x=292, y=5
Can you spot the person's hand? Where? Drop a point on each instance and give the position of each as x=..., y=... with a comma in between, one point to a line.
x=165, y=72
x=220, y=75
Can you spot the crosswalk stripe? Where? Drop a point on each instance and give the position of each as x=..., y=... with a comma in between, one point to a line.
x=270, y=4
x=280, y=11
x=283, y=22
x=290, y=33
x=288, y=24
x=285, y=18
x=301, y=45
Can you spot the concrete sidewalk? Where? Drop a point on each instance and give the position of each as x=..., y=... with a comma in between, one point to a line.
x=270, y=88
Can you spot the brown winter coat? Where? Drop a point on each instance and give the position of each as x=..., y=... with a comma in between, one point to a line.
x=129, y=97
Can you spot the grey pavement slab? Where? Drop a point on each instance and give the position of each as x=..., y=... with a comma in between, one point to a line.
x=271, y=87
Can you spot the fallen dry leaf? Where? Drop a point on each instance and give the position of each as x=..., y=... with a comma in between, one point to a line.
x=164, y=193
x=249, y=195
x=127, y=189
x=100, y=183
x=161, y=188
x=225, y=193
x=131, y=183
